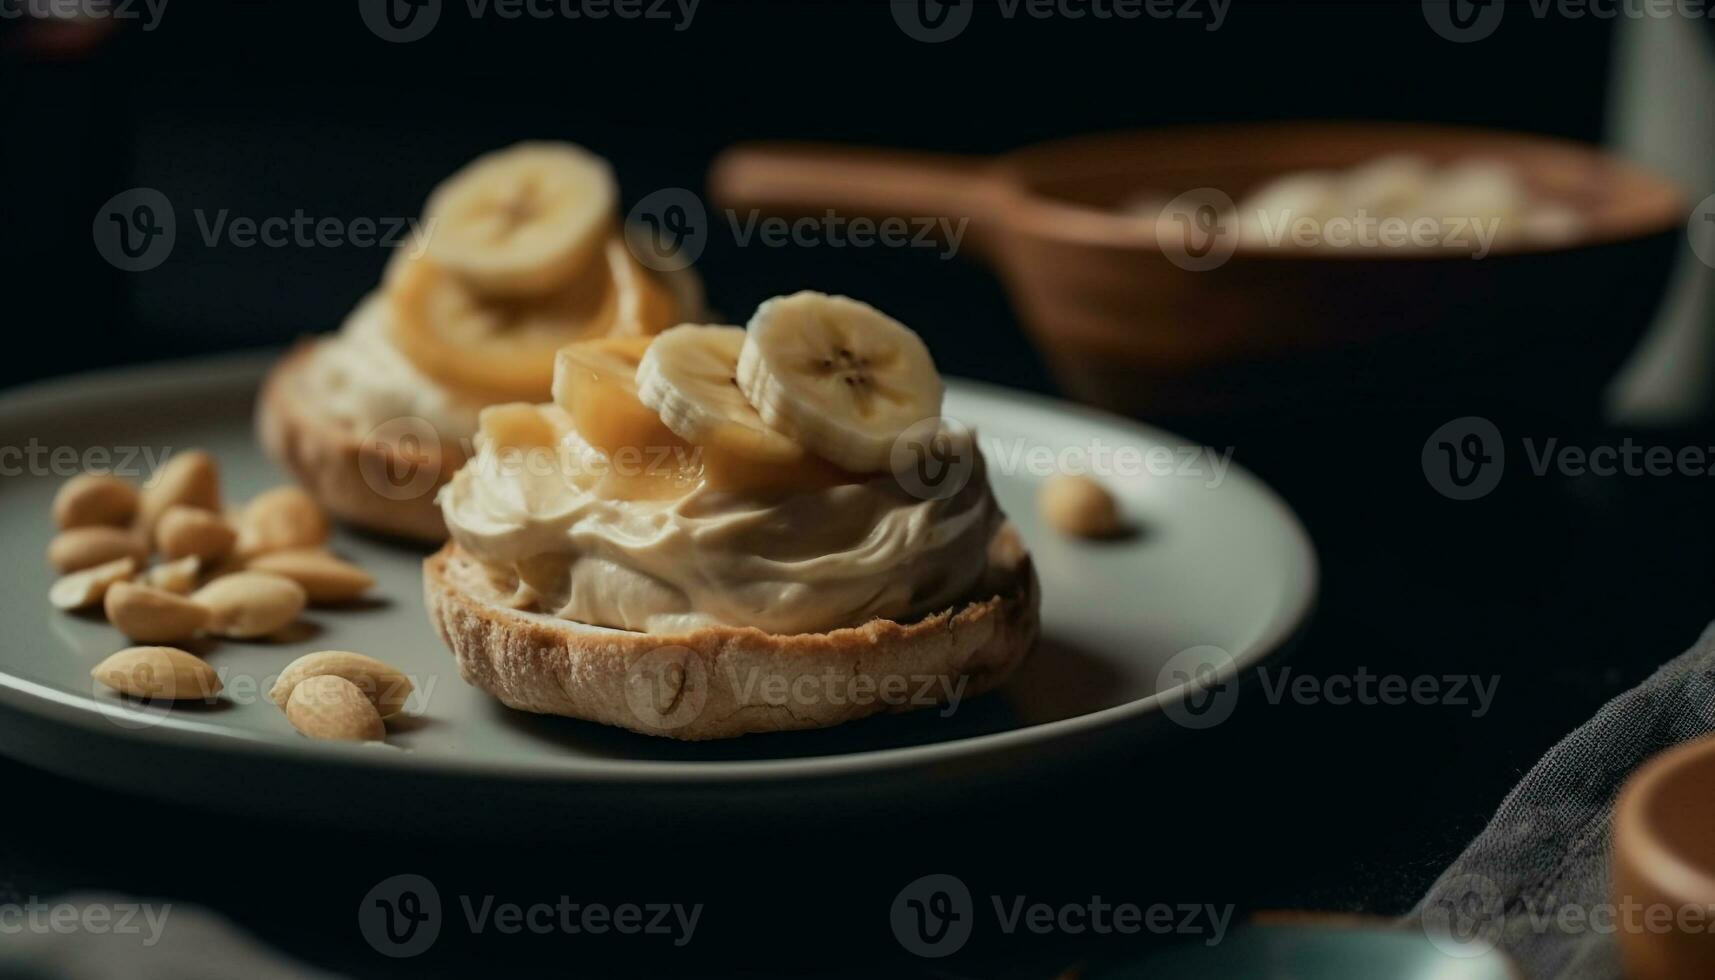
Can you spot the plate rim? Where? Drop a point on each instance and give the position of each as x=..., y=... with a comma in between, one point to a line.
x=49, y=703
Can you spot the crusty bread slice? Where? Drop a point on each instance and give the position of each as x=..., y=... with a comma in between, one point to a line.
x=379, y=486
x=719, y=682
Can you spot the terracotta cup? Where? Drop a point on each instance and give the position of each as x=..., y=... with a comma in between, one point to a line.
x=1664, y=865
x=1269, y=329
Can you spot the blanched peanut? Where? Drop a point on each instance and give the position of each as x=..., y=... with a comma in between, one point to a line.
x=86, y=547
x=324, y=577
x=85, y=588
x=158, y=672
x=149, y=615
x=95, y=500
x=184, y=531
x=248, y=605
x=284, y=517
x=1079, y=506
x=190, y=479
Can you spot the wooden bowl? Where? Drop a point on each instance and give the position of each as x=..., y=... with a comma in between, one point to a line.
x=1664, y=861
x=1270, y=330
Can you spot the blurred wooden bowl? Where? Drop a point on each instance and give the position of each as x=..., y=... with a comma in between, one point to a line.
x=1270, y=330
x=1664, y=865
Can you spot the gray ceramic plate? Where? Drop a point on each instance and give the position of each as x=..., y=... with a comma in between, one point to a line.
x=1217, y=560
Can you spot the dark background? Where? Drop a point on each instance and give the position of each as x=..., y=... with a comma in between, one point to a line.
x=1568, y=590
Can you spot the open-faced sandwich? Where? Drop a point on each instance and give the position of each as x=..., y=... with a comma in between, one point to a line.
x=713, y=532
x=522, y=252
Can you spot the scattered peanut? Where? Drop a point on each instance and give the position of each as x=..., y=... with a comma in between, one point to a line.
x=95, y=500
x=148, y=615
x=383, y=685
x=329, y=707
x=281, y=518
x=1079, y=506
x=158, y=672
x=324, y=577
x=86, y=547
x=190, y=479
x=85, y=588
x=184, y=531
x=178, y=577
x=259, y=566
x=248, y=605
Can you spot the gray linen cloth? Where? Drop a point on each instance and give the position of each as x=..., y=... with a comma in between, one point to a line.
x=1535, y=881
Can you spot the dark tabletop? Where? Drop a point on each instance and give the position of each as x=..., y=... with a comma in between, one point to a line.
x=1555, y=592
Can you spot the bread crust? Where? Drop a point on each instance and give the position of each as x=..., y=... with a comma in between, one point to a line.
x=331, y=460
x=721, y=682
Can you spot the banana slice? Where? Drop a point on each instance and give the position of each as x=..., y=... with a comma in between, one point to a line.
x=839, y=377
x=522, y=221
x=594, y=382
x=686, y=376
x=504, y=348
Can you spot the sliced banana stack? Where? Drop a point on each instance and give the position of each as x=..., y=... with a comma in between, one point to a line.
x=523, y=256
x=506, y=347
x=838, y=377
x=688, y=376
x=520, y=221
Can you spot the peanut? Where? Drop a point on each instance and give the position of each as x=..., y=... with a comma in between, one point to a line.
x=178, y=577
x=158, y=672
x=85, y=588
x=383, y=685
x=148, y=615
x=324, y=577
x=329, y=707
x=248, y=605
x=281, y=518
x=95, y=500
x=86, y=547
x=190, y=479
x=183, y=531
x=1079, y=506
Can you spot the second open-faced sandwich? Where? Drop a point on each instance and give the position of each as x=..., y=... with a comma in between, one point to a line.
x=522, y=251
x=704, y=535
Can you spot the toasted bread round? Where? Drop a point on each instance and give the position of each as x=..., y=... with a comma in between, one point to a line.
x=367, y=480
x=721, y=681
